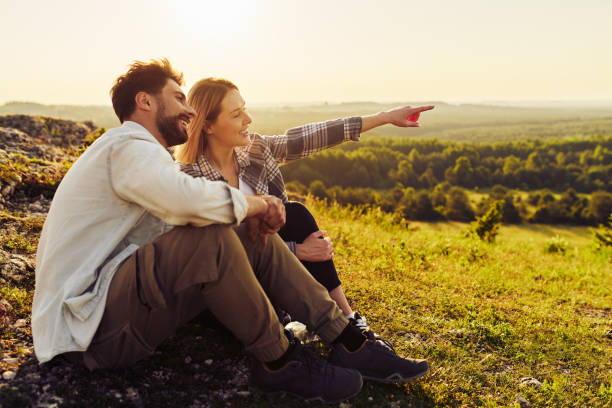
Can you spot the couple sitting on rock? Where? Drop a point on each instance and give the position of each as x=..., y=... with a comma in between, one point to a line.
x=133, y=247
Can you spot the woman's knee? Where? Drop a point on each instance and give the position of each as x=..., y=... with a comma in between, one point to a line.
x=299, y=213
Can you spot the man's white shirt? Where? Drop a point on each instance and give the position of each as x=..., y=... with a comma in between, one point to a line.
x=123, y=192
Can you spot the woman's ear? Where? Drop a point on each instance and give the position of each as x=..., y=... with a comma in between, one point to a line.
x=206, y=128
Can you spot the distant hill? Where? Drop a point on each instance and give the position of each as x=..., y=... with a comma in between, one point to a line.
x=463, y=122
x=99, y=114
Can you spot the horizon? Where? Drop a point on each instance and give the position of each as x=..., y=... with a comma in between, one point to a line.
x=296, y=53
x=518, y=103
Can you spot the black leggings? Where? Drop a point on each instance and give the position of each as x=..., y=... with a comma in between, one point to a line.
x=299, y=225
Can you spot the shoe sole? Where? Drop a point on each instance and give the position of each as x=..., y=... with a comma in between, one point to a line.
x=395, y=378
x=311, y=400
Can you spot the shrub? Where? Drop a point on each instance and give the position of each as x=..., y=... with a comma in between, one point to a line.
x=487, y=226
x=556, y=245
x=603, y=235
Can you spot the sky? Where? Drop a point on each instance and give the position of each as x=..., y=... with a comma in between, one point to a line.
x=70, y=51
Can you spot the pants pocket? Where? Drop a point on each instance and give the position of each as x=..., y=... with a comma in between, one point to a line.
x=121, y=348
x=149, y=291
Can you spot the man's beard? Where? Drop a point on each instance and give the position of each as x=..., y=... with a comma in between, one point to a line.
x=169, y=127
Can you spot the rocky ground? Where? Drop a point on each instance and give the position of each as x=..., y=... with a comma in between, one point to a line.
x=201, y=366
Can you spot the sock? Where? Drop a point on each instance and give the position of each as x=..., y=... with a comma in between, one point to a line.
x=351, y=338
x=282, y=360
x=350, y=316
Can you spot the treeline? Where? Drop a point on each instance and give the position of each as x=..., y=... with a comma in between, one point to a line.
x=584, y=165
x=428, y=179
x=446, y=202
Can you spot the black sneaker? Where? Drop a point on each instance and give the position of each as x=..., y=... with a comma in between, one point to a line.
x=307, y=376
x=377, y=360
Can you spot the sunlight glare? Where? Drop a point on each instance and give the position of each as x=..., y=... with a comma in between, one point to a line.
x=216, y=20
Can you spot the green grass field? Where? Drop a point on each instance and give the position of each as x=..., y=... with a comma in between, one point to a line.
x=484, y=315
x=537, y=303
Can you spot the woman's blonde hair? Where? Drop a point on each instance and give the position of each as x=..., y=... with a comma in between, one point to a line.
x=205, y=96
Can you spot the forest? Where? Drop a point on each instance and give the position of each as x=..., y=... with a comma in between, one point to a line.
x=548, y=181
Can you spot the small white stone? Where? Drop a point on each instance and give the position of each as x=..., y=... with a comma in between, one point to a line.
x=208, y=362
x=299, y=329
x=188, y=360
x=370, y=399
x=8, y=375
x=529, y=381
x=243, y=394
x=131, y=393
x=21, y=323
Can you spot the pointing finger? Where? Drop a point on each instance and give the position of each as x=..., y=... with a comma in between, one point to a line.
x=425, y=108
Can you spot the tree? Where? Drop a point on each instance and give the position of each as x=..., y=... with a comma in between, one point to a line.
x=458, y=206
x=600, y=206
x=462, y=174
x=603, y=235
x=487, y=226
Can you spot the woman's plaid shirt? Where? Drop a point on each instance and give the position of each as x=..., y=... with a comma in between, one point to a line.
x=258, y=163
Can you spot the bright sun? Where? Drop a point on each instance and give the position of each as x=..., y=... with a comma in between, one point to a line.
x=214, y=19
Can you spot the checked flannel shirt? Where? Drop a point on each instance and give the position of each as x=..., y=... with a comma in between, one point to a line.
x=259, y=161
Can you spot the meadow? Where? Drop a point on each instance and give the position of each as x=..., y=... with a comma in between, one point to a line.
x=528, y=315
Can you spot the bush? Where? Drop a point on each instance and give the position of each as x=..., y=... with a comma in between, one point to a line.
x=487, y=226
x=603, y=235
x=556, y=245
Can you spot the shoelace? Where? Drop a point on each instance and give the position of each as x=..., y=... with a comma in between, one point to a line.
x=379, y=341
x=361, y=323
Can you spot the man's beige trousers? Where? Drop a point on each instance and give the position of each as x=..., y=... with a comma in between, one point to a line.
x=168, y=282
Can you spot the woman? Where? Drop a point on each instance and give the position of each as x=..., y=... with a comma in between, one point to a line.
x=221, y=148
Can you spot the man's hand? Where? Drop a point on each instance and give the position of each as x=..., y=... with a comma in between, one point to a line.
x=265, y=216
x=275, y=216
x=406, y=116
x=315, y=248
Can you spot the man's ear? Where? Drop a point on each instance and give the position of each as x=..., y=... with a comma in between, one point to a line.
x=144, y=101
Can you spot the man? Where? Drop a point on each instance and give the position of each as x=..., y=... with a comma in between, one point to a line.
x=132, y=248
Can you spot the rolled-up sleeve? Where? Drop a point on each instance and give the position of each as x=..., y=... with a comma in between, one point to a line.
x=144, y=173
x=302, y=141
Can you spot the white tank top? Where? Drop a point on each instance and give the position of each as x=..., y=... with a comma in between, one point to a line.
x=245, y=188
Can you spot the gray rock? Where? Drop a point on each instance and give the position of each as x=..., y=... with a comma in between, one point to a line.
x=525, y=381
x=36, y=207
x=14, y=269
x=8, y=375
x=523, y=403
x=20, y=323
x=11, y=360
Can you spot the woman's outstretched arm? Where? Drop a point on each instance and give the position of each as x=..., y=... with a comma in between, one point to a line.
x=308, y=139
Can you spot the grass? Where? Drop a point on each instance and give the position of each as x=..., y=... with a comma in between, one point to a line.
x=484, y=315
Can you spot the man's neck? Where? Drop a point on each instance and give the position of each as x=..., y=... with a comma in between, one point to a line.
x=151, y=126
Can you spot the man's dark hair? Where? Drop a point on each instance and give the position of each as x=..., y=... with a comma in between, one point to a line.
x=149, y=77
